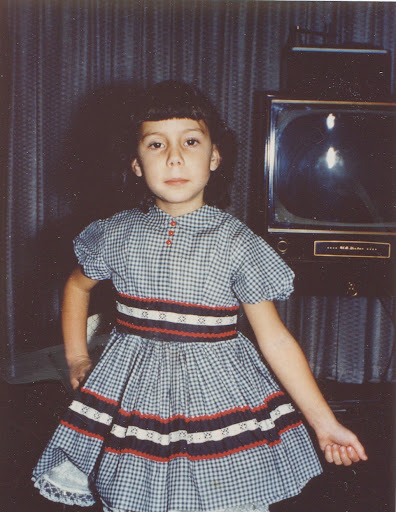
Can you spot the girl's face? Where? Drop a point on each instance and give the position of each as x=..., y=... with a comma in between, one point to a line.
x=175, y=157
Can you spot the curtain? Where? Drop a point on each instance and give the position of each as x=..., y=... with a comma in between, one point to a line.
x=71, y=69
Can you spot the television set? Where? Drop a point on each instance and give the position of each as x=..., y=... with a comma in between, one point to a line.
x=330, y=181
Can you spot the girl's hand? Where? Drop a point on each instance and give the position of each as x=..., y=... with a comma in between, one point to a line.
x=78, y=369
x=340, y=445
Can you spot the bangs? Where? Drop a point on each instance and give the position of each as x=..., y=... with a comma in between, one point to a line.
x=175, y=100
x=163, y=112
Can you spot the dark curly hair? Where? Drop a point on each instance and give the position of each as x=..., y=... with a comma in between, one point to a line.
x=178, y=100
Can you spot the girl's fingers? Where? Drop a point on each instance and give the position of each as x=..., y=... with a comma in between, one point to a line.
x=74, y=383
x=359, y=450
x=340, y=455
x=328, y=454
x=78, y=372
x=352, y=454
x=76, y=380
x=341, y=446
x=335, y=449
x=344, y=456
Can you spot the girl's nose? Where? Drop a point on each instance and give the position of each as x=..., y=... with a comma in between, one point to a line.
x=174, y=156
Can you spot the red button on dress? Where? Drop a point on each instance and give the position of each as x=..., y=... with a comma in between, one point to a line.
x=168, y=242
x=173, y=223
x=171, y=233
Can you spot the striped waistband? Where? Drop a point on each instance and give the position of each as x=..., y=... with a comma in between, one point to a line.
x=175, y=321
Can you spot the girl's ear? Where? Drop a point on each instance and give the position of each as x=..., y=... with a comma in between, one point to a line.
x=136, y=168
x=215, y=158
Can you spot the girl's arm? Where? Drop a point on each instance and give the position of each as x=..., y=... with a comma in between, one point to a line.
x=289, y=364
x=74, y=324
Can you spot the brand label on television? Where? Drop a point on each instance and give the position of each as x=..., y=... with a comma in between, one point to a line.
x=351, y=249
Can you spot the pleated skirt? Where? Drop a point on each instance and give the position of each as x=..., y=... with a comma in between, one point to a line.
x=172, y=426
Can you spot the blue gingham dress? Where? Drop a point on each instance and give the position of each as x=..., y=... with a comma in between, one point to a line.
x=180, y=413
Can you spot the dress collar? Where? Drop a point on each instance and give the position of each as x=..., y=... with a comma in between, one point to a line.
x=195, y=221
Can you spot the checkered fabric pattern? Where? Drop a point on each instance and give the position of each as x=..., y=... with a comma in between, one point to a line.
x=167, y=426
x=211, y=258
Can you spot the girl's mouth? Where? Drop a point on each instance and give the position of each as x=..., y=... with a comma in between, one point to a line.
x=176, y=181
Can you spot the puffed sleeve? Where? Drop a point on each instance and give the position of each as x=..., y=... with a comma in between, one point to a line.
x=89, y=247
x=259, y=272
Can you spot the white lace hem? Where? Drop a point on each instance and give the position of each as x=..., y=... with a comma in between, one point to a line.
x=54, y=493
x=65, y=484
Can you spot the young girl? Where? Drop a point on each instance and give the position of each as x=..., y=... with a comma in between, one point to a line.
x=180, y=413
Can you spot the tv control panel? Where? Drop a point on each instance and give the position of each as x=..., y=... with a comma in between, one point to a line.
x=336, y=266
x=352, y=249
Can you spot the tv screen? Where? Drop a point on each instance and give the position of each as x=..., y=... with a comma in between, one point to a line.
x=331, y=166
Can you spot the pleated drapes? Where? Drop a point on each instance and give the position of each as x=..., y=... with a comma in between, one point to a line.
x=70, y=70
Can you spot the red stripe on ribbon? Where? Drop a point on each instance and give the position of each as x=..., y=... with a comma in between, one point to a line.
x=217, y=308
x=289, y=427
x=99, y=397
x=188, y=419
x=81, y=431
x=186, y=455
x=178, y=333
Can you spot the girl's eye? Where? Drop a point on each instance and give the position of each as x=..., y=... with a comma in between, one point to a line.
x=192, y=142
x=156, y=145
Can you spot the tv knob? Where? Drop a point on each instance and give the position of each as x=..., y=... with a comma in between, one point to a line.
x=282, y=246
